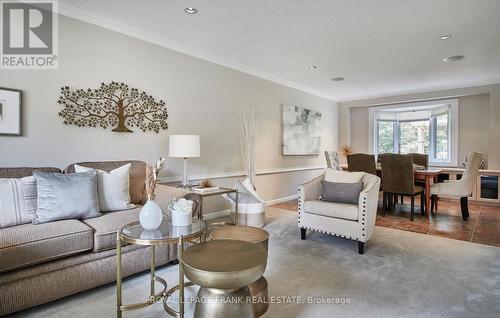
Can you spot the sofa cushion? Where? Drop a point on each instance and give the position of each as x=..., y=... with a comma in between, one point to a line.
x=29, y=244
x=106, y=226
x=137, y=175
x=333, y=210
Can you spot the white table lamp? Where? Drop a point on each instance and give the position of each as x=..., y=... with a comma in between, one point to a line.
x=184, y=146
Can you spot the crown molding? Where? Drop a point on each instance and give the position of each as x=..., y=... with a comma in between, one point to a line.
x=95, y=19
x=430, y=89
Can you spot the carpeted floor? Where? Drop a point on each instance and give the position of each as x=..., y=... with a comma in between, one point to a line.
x=402, y=274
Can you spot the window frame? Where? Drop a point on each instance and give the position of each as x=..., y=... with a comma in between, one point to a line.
x=453, y=121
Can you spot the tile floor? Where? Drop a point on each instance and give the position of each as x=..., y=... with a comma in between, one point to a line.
x=482, y=227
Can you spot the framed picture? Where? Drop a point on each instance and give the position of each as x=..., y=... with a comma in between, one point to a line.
x=301, y=131
x=10, y=112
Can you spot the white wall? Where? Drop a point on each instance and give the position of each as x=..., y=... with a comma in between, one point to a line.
x=202, y=98
x=479, y=113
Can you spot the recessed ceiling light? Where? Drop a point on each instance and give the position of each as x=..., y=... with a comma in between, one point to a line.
x=453, y=58
x=191, y=10
x=337, y=79
x=462, y=76
x=312, y=67
x=445, y=37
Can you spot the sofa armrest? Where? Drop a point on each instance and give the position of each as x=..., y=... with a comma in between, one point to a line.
x=310, y=190
x=368, y=205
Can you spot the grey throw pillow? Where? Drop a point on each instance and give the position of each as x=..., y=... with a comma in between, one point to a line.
x=341, y=192
x=66, y=196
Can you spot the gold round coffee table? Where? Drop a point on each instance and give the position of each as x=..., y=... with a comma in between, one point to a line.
x=260, y=237
x=242, y=233
x=224, y=269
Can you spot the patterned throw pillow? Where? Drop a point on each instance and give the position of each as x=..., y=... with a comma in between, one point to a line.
x=17, y=201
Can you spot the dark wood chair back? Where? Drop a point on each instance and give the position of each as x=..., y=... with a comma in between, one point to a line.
x=421, y=159
x=397, y=174
x=380, y=155
x=362, y=162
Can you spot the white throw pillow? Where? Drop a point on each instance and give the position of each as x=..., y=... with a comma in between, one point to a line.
x=17, y=201
x=343, y=176
x=113, y=188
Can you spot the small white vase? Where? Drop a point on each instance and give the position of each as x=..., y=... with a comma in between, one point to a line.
x=150, y=216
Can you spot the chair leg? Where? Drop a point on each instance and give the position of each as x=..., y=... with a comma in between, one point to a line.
x=402, y=199
x=436, y=203
x=361, y=247
x=384, y=202
x=302, y=233
x=433, y=199
x=422, y=204
x=412, y=207
x=464, y=207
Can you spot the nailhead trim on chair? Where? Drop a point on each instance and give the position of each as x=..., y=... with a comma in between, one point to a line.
x=330, y=233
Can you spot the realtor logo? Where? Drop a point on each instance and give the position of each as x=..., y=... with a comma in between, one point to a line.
x=29, y=35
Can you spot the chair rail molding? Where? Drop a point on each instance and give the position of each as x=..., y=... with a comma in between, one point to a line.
x=221, y=175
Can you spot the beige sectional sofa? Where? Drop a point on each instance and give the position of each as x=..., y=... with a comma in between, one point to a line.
x=44, y=262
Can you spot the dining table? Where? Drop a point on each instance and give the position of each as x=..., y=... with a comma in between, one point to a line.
x=428, y=175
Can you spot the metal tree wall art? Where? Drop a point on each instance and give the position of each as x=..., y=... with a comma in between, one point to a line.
x=113, y=105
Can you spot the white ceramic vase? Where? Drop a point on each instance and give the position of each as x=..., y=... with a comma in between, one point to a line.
x=150, y=216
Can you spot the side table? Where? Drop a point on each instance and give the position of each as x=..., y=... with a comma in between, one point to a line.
x=166, y=234
x=219, y=191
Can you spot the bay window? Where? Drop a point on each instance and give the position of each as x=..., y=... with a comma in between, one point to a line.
x=428, y=127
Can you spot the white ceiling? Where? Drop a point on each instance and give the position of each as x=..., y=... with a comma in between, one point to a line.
x=381, y=47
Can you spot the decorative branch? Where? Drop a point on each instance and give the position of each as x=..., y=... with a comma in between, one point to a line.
x=248, y=133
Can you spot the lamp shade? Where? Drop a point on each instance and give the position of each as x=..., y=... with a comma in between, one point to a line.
x=183, y=146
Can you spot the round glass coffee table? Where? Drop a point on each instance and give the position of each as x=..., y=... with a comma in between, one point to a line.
x=166, y=234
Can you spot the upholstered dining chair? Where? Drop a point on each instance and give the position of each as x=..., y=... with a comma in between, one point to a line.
x=332, y=160
x=420, y=159
x=362, y=162
x=461, y=188
x=381, y=155
x=398, y=179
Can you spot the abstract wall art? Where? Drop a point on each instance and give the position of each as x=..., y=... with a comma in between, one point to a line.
x=301, y=131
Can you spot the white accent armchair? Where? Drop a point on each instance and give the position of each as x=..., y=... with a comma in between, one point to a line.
x=461, y=188
x=351, y=221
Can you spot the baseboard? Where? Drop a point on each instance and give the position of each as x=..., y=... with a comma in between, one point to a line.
x=283, y=199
